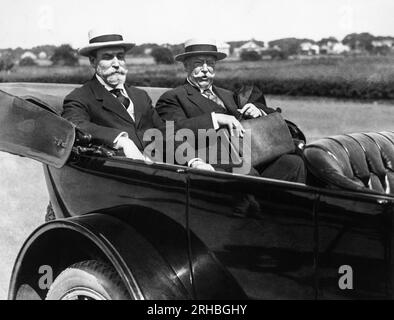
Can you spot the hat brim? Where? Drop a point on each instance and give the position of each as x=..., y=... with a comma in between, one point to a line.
x=219, y=55
x=85, y=51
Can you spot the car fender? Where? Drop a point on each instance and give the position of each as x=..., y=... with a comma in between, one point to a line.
x=60, y=243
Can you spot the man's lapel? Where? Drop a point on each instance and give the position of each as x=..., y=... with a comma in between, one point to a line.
x=108, y=101
x=204, y=104
x=228, y=100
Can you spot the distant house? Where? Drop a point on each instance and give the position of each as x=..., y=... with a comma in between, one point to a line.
x=42, y=55
x=309, y=48
x=28, y=54
x=326, y=45
x=383, y=43
x=334, y=47
x=250, y=46
x=340, y=48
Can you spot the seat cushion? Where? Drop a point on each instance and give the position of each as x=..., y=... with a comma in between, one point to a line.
x=359, y=161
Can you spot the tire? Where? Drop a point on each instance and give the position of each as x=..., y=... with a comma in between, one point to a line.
x=88, y=280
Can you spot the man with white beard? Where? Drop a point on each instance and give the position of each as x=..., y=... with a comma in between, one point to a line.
x=113, y=113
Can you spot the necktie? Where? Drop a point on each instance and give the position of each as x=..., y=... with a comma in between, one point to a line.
x=213, y=97
x=122, y=99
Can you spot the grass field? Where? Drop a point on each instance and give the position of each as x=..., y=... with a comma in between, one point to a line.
x=23, y=194
x=346, y=77
x=321, y=117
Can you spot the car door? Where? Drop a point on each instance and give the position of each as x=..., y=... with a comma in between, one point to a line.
x=298, y=244
x=268, y=251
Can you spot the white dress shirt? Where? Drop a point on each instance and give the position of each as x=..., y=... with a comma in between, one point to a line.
x=213, y=114
x=130, y=109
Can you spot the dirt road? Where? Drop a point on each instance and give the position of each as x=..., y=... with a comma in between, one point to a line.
x=23, y=201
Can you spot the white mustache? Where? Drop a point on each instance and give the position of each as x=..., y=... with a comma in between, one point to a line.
x=119, y=71
x=201, y=75
x=110, y=72
x=208, y=75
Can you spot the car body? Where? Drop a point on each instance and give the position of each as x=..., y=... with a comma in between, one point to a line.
x=169, y=231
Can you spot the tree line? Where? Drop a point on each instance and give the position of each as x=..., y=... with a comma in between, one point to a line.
x=163, y=54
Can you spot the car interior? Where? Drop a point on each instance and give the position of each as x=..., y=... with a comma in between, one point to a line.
x=357, y=162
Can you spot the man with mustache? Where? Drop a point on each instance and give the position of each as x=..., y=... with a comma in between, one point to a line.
x=199, y=104
x=104, y=107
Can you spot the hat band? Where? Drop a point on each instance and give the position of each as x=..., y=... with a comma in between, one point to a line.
x=201, y=47
x=106, y=38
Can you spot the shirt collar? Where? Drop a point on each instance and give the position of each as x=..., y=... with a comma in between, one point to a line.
x=109, y=88
x=197, y=87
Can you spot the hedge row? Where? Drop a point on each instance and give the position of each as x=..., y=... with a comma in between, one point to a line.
x=323, y=88
x=294, y=87
x=340, y=88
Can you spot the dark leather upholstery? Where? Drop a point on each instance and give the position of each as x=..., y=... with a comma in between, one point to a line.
x=360, y=161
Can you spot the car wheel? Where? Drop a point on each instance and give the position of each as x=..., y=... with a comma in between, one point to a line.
x=88, y=280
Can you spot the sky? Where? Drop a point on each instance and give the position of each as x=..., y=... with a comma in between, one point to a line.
x=28, y=23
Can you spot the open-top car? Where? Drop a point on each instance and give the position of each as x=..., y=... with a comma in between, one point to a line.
x=119, y=228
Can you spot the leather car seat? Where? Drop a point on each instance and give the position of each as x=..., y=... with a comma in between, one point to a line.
x=359, y=161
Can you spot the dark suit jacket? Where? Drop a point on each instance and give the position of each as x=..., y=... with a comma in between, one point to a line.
x=189, y=109
x=96, y=111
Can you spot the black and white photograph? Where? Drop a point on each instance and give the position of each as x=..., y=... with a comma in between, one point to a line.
x=222, y=151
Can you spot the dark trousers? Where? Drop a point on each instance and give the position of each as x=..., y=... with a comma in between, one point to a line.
x=288, y=167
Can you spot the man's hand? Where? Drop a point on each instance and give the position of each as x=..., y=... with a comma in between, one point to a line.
x=129, y=148
x=249, y=110
x=198, y=163
x=233, y=125
x=201, y=165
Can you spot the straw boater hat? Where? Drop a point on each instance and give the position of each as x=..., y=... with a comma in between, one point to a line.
x=194, y=47
x=100, y=39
